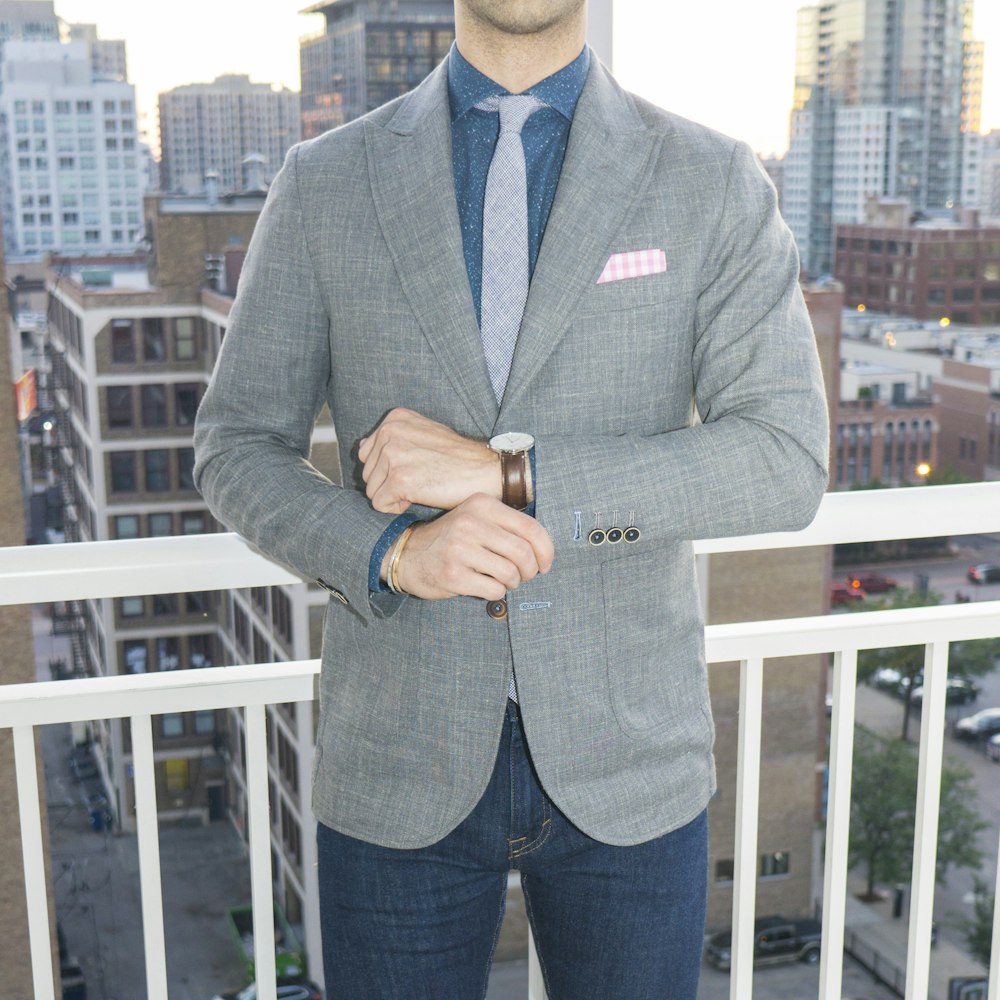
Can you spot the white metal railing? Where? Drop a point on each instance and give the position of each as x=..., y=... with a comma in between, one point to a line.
x=114, y=569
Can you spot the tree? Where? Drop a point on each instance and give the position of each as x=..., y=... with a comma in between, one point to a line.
x=972, y=658
x=883, y=813
x=978, y=928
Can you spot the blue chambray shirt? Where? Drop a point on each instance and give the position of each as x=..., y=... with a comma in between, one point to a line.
x=473, y=138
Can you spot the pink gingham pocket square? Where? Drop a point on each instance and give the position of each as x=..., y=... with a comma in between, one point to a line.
x=633, y=264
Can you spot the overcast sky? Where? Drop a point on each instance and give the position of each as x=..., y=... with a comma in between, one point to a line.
x=726, y=63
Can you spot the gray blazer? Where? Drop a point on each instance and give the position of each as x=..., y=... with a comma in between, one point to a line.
x=691, y=397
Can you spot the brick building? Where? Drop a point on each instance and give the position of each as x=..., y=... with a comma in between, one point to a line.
x=970, y=415
x=927, y=271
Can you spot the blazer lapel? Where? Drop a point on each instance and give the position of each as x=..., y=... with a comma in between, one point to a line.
x=409, y=161
x=605, y=172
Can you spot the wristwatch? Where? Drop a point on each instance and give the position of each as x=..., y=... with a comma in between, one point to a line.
x=515, y=467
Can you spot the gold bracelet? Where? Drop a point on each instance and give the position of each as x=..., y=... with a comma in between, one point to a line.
x=397, y=551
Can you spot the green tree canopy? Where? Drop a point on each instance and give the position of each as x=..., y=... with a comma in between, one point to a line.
x=883, y=813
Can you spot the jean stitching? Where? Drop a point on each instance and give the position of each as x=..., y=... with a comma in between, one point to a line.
x=543, y=834
x=493, y=948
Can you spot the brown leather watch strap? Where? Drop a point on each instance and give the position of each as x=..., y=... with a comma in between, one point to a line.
x=515, y=482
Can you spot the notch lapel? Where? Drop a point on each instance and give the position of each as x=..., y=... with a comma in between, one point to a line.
x=409, y=162
x=605, y=172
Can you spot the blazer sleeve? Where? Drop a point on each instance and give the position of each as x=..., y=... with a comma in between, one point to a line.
x=254, y=426
x=755, y=457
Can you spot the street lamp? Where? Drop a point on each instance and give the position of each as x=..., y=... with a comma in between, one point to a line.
x=923, y=470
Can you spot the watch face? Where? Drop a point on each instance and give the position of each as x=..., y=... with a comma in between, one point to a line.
x=512, y=441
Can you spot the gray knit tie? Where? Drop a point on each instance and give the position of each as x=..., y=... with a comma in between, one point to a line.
x=505, y=237
x=505, y=245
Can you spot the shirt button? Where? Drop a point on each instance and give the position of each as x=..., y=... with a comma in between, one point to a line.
x=496, y=609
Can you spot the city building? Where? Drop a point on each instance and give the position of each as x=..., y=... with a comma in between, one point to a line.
x=231, y=132
x=969, y=388
x=107, y=55
x=132, y=344
x=29, y=21
x=933, y=269
x=370, y=52
x=989, y=178
x=885, y=91
x=18, y=668
x=72, y=177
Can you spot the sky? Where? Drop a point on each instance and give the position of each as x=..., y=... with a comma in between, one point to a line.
x=726, y=63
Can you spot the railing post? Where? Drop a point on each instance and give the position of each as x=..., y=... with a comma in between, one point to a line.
x=32, y=851
x=536, y=984
x=838, y=823
x=747, y=803
x=918, y=952
x=258, y=821
x=994, y=981
x=147, y=829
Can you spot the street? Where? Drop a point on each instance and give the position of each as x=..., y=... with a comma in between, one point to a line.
x=883, y=714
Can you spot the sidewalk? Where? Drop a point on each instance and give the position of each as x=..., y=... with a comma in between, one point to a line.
x=878, y=932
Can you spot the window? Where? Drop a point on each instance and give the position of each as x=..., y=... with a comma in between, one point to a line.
x=724, y=870
x=193, y=522
x=123, y=472
x=200, y=649
x=772, y=865
x=126, y=526
x=185, y=344
x=134, y=655
x=168, y=655
x=157, y=470
x=131, y=607
x=119, y=401
x=204, y=723
x=165, y=604
x=122, y=341
x=172, y=724
x=154, y=345
x=197, y=602
x=160, y=524
x=185, y=468
x=84, y=107
x=175, y=772
x=154, y=405
x=185, y=403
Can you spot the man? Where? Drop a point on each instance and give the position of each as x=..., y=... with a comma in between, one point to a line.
x=513, y=673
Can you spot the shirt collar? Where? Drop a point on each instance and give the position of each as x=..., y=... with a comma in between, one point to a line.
x=467, y=86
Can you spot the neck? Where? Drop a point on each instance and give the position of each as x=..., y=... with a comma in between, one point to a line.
x=517, y=61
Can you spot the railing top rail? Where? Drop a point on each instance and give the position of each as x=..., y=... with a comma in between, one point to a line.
x=43, y=573
x=270, y=683
x=45, y=702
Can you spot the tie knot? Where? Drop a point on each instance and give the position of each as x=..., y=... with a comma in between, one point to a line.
x=515, y=109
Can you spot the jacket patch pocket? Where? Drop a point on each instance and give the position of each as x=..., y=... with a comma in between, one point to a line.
x=655, y=645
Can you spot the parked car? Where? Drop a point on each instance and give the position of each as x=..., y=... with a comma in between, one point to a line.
x=961, y=691
x=840, y=593
x=776, y=939
x=286, y=991
x=993, y=748
x=980, y=726
x=984, y=573
x=870, y=582
x=887, y=679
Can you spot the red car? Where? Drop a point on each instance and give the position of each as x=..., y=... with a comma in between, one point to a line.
x=870, y=582
x=840, y=593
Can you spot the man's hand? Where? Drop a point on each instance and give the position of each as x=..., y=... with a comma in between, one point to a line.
x=482, y=548
x=409, y=459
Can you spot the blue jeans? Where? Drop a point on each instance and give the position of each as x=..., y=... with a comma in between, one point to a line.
x=610, y=923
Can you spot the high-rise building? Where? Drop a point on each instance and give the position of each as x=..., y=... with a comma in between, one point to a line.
x=231, y=131
x=370, y=52
x=29, y=21
x=107, y=55
x=70, y=171
x=884, y=92
x=988, y=189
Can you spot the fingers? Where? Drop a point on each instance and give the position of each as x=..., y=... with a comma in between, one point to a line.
x=480, y=549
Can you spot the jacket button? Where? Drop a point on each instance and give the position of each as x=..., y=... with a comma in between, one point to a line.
x=496, y=609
